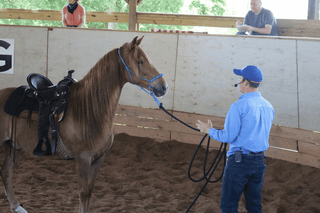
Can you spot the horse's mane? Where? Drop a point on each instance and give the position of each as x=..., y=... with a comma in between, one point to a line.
x=95, y=97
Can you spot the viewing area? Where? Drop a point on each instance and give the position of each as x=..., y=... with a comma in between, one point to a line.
x=197, y=67
x=287, y=27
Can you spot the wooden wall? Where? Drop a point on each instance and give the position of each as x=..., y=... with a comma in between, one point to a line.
x=289, y=144
x=198, y=69
x=299, y=28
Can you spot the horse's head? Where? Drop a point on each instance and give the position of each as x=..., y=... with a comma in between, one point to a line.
x=140, y=70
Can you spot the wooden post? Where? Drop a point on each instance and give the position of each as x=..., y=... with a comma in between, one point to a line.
x=132, y=14
x=313, y=9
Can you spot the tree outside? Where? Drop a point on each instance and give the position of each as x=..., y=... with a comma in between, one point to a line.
x=196, y=7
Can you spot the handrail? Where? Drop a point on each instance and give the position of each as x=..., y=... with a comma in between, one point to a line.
x=56, y=15
x=188, y=20
x=120, y=17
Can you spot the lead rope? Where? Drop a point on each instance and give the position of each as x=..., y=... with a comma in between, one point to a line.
x=219, y=154
x=214, y=164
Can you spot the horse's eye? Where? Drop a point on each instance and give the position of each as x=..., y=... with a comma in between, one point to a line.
x=140, y=62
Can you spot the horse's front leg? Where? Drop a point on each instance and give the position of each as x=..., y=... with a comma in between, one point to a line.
x=87, y=172
x=6, y=174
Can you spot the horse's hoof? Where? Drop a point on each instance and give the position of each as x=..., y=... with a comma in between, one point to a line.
x=20, y=210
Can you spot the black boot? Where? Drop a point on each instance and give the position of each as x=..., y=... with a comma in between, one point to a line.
x=38, y=149
x=43, y=128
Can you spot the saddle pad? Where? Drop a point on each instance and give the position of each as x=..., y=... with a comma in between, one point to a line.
x=11, y=106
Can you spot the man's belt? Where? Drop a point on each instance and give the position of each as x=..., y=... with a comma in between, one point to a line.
x=257, y=153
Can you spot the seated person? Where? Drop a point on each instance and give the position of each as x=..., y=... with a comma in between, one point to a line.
x=258, y=21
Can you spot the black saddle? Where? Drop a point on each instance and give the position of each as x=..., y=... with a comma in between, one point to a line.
x=46, y=99
x=42, y=85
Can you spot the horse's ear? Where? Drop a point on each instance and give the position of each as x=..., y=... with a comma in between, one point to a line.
x=133, y=42
x=139, y=41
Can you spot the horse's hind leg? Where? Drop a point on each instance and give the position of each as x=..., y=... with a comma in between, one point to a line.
x=87, y=172
x=6, y=174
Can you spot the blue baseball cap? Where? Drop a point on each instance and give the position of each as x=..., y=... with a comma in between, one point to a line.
x=251, y=73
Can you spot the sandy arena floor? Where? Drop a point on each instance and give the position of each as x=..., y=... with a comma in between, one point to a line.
x=140, y=175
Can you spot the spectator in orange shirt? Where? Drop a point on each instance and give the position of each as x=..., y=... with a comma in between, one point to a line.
x=73, y=14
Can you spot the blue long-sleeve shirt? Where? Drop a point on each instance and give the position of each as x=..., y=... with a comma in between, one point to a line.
x=247, y=125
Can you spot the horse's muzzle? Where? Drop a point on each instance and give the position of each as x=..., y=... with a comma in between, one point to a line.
x=160, y=90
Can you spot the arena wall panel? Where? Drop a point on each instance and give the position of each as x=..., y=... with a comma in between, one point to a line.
x=30, y=53
x=80, y=49
x=205, y=79
x=309, y=89
x=198, y=70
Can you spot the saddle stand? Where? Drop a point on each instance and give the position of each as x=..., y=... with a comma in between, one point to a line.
x=53, y=99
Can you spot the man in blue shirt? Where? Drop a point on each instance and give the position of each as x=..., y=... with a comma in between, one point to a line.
x=247, y=127
x=258, y=21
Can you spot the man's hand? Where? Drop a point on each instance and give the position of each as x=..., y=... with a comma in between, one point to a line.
x=238, y=23
x=266, y=30
x=247, y=28
x=204, y=127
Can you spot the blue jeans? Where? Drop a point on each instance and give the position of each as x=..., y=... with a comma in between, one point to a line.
x=246, y=177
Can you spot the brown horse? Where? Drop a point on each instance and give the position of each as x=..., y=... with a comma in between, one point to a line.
x=87, y=129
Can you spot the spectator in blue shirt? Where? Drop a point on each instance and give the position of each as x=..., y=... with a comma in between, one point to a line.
x=258, y=21
x=246, y=129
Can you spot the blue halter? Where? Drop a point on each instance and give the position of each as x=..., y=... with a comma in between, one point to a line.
x=155, y=78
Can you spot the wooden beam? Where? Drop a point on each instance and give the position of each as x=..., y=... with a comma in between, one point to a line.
x=187, y=20
x=158, y=135
x=132, y=15
x=313, y=10
x=56, y=15
x=309, y=148
x=299, y=28
x=146, y=18
x=143, y=112
x=138, y=2
x=50, y=15
x=116, y=17
x=294, y=157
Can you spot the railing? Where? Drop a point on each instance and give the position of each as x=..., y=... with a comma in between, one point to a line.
x=289, y=144
x=287, y=27
x=119, y=17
